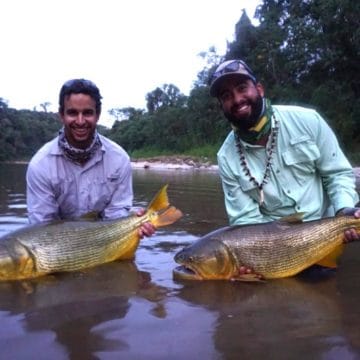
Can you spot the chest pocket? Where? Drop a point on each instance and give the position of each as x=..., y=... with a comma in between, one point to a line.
x=272, y=201
x=101, y=191
x=65, y=195
x=300, y=159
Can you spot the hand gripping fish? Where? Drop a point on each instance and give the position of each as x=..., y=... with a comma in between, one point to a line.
x=64, y=246
x=276, y=249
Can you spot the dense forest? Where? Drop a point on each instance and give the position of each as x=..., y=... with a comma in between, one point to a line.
x=305, y=52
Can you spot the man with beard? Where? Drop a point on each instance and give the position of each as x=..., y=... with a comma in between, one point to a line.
x=277, y=160
x=80, y=171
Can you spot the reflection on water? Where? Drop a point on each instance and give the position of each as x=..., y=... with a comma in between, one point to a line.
x=12, y=197
x=271, y=318
x=198, y=195
x=135, y=310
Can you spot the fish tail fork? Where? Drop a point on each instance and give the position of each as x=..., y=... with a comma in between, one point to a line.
x=167, y=217
x=165, y=214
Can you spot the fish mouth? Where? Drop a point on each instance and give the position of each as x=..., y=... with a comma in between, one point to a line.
x=183, y=272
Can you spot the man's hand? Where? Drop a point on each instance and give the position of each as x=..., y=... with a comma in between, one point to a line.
x=351, y=234
x=146, y=229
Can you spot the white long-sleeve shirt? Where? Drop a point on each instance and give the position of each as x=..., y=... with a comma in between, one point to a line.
x=59, y=189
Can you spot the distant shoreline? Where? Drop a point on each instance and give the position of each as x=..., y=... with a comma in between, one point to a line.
x=173, y=163
x=192, y=165
x=179, y=163
x=159, y=163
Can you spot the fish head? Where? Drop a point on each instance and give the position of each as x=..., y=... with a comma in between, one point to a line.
x=15, y=264
x=207, y=259
x=8, y=268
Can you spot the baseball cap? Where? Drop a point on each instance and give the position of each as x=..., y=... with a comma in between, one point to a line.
x=229, y=68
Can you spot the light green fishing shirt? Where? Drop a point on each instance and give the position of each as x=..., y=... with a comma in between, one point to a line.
x=309, y=172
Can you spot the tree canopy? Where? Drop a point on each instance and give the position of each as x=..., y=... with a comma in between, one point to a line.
x=304, y=52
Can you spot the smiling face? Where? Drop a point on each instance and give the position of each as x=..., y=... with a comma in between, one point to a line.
x=241, y=100
x=79, y=119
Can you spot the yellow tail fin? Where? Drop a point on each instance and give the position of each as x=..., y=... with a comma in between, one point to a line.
x=169, y=216
x=160, y=200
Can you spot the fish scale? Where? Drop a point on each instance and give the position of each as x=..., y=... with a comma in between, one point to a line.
x=53, y=254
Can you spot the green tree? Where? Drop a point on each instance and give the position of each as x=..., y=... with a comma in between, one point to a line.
x=45, y=105
x=212, y=59
x=245, y=40
x=128, y=113
x=166, y=96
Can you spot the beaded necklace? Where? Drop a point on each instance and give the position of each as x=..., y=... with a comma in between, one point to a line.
x=269, y=151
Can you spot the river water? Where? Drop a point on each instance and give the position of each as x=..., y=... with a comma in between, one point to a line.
x=135, y=310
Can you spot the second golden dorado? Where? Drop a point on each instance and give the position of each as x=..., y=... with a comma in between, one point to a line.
x=272, y=250
x=65, y=246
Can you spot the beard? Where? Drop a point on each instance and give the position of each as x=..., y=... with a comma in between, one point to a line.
x=244, y=123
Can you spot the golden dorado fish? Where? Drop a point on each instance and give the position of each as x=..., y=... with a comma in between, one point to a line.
x=276, y=249
x=64, y=246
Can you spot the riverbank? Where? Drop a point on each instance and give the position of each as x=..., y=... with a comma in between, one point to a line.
x=186, y=162
x=179, y=162
x=182, y=162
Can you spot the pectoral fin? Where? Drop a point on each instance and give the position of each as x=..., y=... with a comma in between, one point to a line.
x=295, y=218
x=247, y=278
x=330, y=260
x=89, y=216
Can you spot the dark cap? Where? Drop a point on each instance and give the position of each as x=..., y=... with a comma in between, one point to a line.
x=227, y=69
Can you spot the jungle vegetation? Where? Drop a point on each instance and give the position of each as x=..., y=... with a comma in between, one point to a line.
x=305, y=52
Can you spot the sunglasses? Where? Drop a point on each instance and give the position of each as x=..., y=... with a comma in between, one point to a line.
x=234, y=66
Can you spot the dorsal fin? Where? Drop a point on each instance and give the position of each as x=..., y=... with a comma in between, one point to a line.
x=293, y=218
x=89, y=216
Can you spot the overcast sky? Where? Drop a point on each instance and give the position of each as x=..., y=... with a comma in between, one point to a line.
x=127, y=47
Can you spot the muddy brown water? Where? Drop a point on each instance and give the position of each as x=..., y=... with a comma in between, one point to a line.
x=135, y=310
